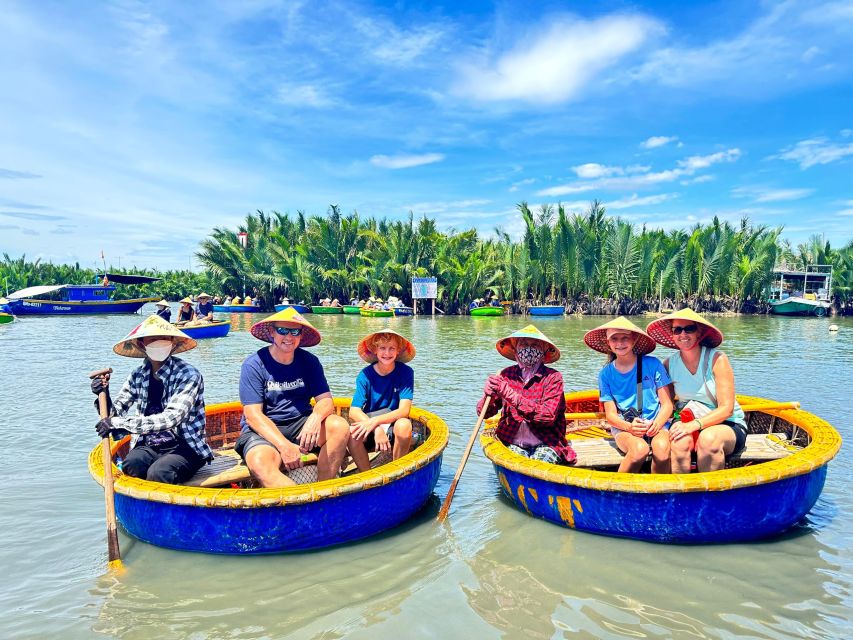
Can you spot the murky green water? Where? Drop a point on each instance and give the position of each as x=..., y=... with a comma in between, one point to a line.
x=492, y=573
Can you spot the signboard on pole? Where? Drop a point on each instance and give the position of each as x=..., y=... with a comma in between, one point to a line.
x=424, y=288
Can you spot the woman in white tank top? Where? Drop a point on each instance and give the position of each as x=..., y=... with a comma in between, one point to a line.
x=701, y=373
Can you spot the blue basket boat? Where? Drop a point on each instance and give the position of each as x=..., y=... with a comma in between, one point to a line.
x=253, y=521
x=301, y=308
x=215, y=329
x=403, y=311
x=237, y=308
x=547, y=310
x=736, y=504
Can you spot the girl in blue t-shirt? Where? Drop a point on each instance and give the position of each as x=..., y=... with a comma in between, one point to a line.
x=638, y=425
x=379, y=415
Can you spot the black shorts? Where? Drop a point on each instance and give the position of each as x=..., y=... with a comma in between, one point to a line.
x=248, y=440
x=740, y=436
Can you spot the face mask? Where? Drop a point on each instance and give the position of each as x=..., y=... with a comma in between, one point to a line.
x=158, y=350
x=529, y=356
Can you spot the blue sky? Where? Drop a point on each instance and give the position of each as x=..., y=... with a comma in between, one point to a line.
x=136, y=127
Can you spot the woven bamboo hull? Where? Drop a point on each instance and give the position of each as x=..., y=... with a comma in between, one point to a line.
x=236, y=308
x=733, y=505
x=488, y=311
x=326, y=310
x=547, y=310
x=213, y=330
x=351, y=309
x=255, y=521
x=376, y=313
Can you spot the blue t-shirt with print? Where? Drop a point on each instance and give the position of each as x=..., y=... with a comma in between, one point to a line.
x=621, y=388
x=374, y=392
x=284, y=390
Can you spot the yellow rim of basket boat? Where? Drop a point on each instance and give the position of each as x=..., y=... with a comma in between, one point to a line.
x=825, y=443
x=431, y=449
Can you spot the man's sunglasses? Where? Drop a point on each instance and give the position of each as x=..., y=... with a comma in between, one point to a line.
x=690, y=328
x=294, y=331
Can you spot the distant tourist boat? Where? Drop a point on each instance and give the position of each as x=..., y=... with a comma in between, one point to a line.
x=301, y=308
x=327, y=310
x=547, y=310
x=215, y=329
x=488, y=311
x=376, y=313
x=403, y=311
x=769, y=487
x=77, y=299
x=351, y=309
x=802, y=293
x=207, y=514
x=237, y=308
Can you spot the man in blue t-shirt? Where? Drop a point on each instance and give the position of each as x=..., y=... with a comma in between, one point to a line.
x=384, y=391
x=204, y=310
x=277, y=384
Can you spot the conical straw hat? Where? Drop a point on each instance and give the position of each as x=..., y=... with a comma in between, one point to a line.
x=153, y=327
x=597, y=338
x=506, y=346
x=263, y=330
x=406, y=353
x=161, y=303
x=185, y=301
x=661, y=329
x=202, y=295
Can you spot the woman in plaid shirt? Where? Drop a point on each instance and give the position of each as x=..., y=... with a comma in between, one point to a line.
x=530, y=398
x=161, y=405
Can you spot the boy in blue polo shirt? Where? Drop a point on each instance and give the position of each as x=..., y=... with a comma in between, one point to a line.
x=384, y=391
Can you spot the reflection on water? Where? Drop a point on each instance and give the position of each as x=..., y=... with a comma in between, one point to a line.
x=492, y=572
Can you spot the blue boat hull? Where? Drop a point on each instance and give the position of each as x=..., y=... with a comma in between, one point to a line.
x=209, y=331
x=301, y=308
x=546, y=311
x=279, y=529
x=403, y=311
x=236, y=308
x=32, y=307
x=736, y=515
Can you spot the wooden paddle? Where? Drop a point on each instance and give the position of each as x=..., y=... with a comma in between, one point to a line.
x=442, y=514
x=113, y=550
x=758, y=406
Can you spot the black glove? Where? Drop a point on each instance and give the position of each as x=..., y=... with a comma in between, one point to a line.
x=99, y=385
x=104, y=427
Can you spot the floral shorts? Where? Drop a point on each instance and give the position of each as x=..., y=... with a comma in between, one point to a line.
x=540, y=452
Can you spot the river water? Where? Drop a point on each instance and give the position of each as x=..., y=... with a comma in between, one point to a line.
x=492, y=572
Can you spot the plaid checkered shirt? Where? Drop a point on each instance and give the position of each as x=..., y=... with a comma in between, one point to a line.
x=183, y=410
x=540, y=403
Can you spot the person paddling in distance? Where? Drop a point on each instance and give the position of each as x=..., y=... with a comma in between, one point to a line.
x=530, y=397
x=633, y=387
x=186, y=312
x=384, y=390
x=277, y=384
x=704, y=384
x=161, y=405
x=163, y=310
x=204, y=309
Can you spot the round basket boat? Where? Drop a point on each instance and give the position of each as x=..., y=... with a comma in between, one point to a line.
x=252, y=520
x=488, y=312
x=237, y=308
x=376, y=313
x=547, y=310
x=301, y=308
x=215, y=329
x=765, y=496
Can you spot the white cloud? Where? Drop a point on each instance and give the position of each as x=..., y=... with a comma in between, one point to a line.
x=658, y=141
x=403, y=161
x=305, y=95
x=766, y=194
x=556, y=62
x=810, y=54
x=521, y=183
x=431, y=208
x=635, y=201
x=618, y=178
x=846, y=212
x=814, y=151
x=698, y=180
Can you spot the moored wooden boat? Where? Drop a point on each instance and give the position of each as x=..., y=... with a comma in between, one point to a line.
x=326, y=310
x=488, y=311
x=403, y=311
x=73, y=299
x=251, y=521
x=301, y=308
x=376, y=313
x=547, y=310
x=237, y=308
x=351, y=309
x=766, y=496
x=215, y=329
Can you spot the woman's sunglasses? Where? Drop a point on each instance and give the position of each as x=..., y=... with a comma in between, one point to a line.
x=690, y=328
x=294, y=331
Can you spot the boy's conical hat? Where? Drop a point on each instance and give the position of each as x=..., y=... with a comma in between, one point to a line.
x=506, y=346
x=263, y=330
x=406, y=353
x=597, y=338
x=153, y=327
x=661, y=329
